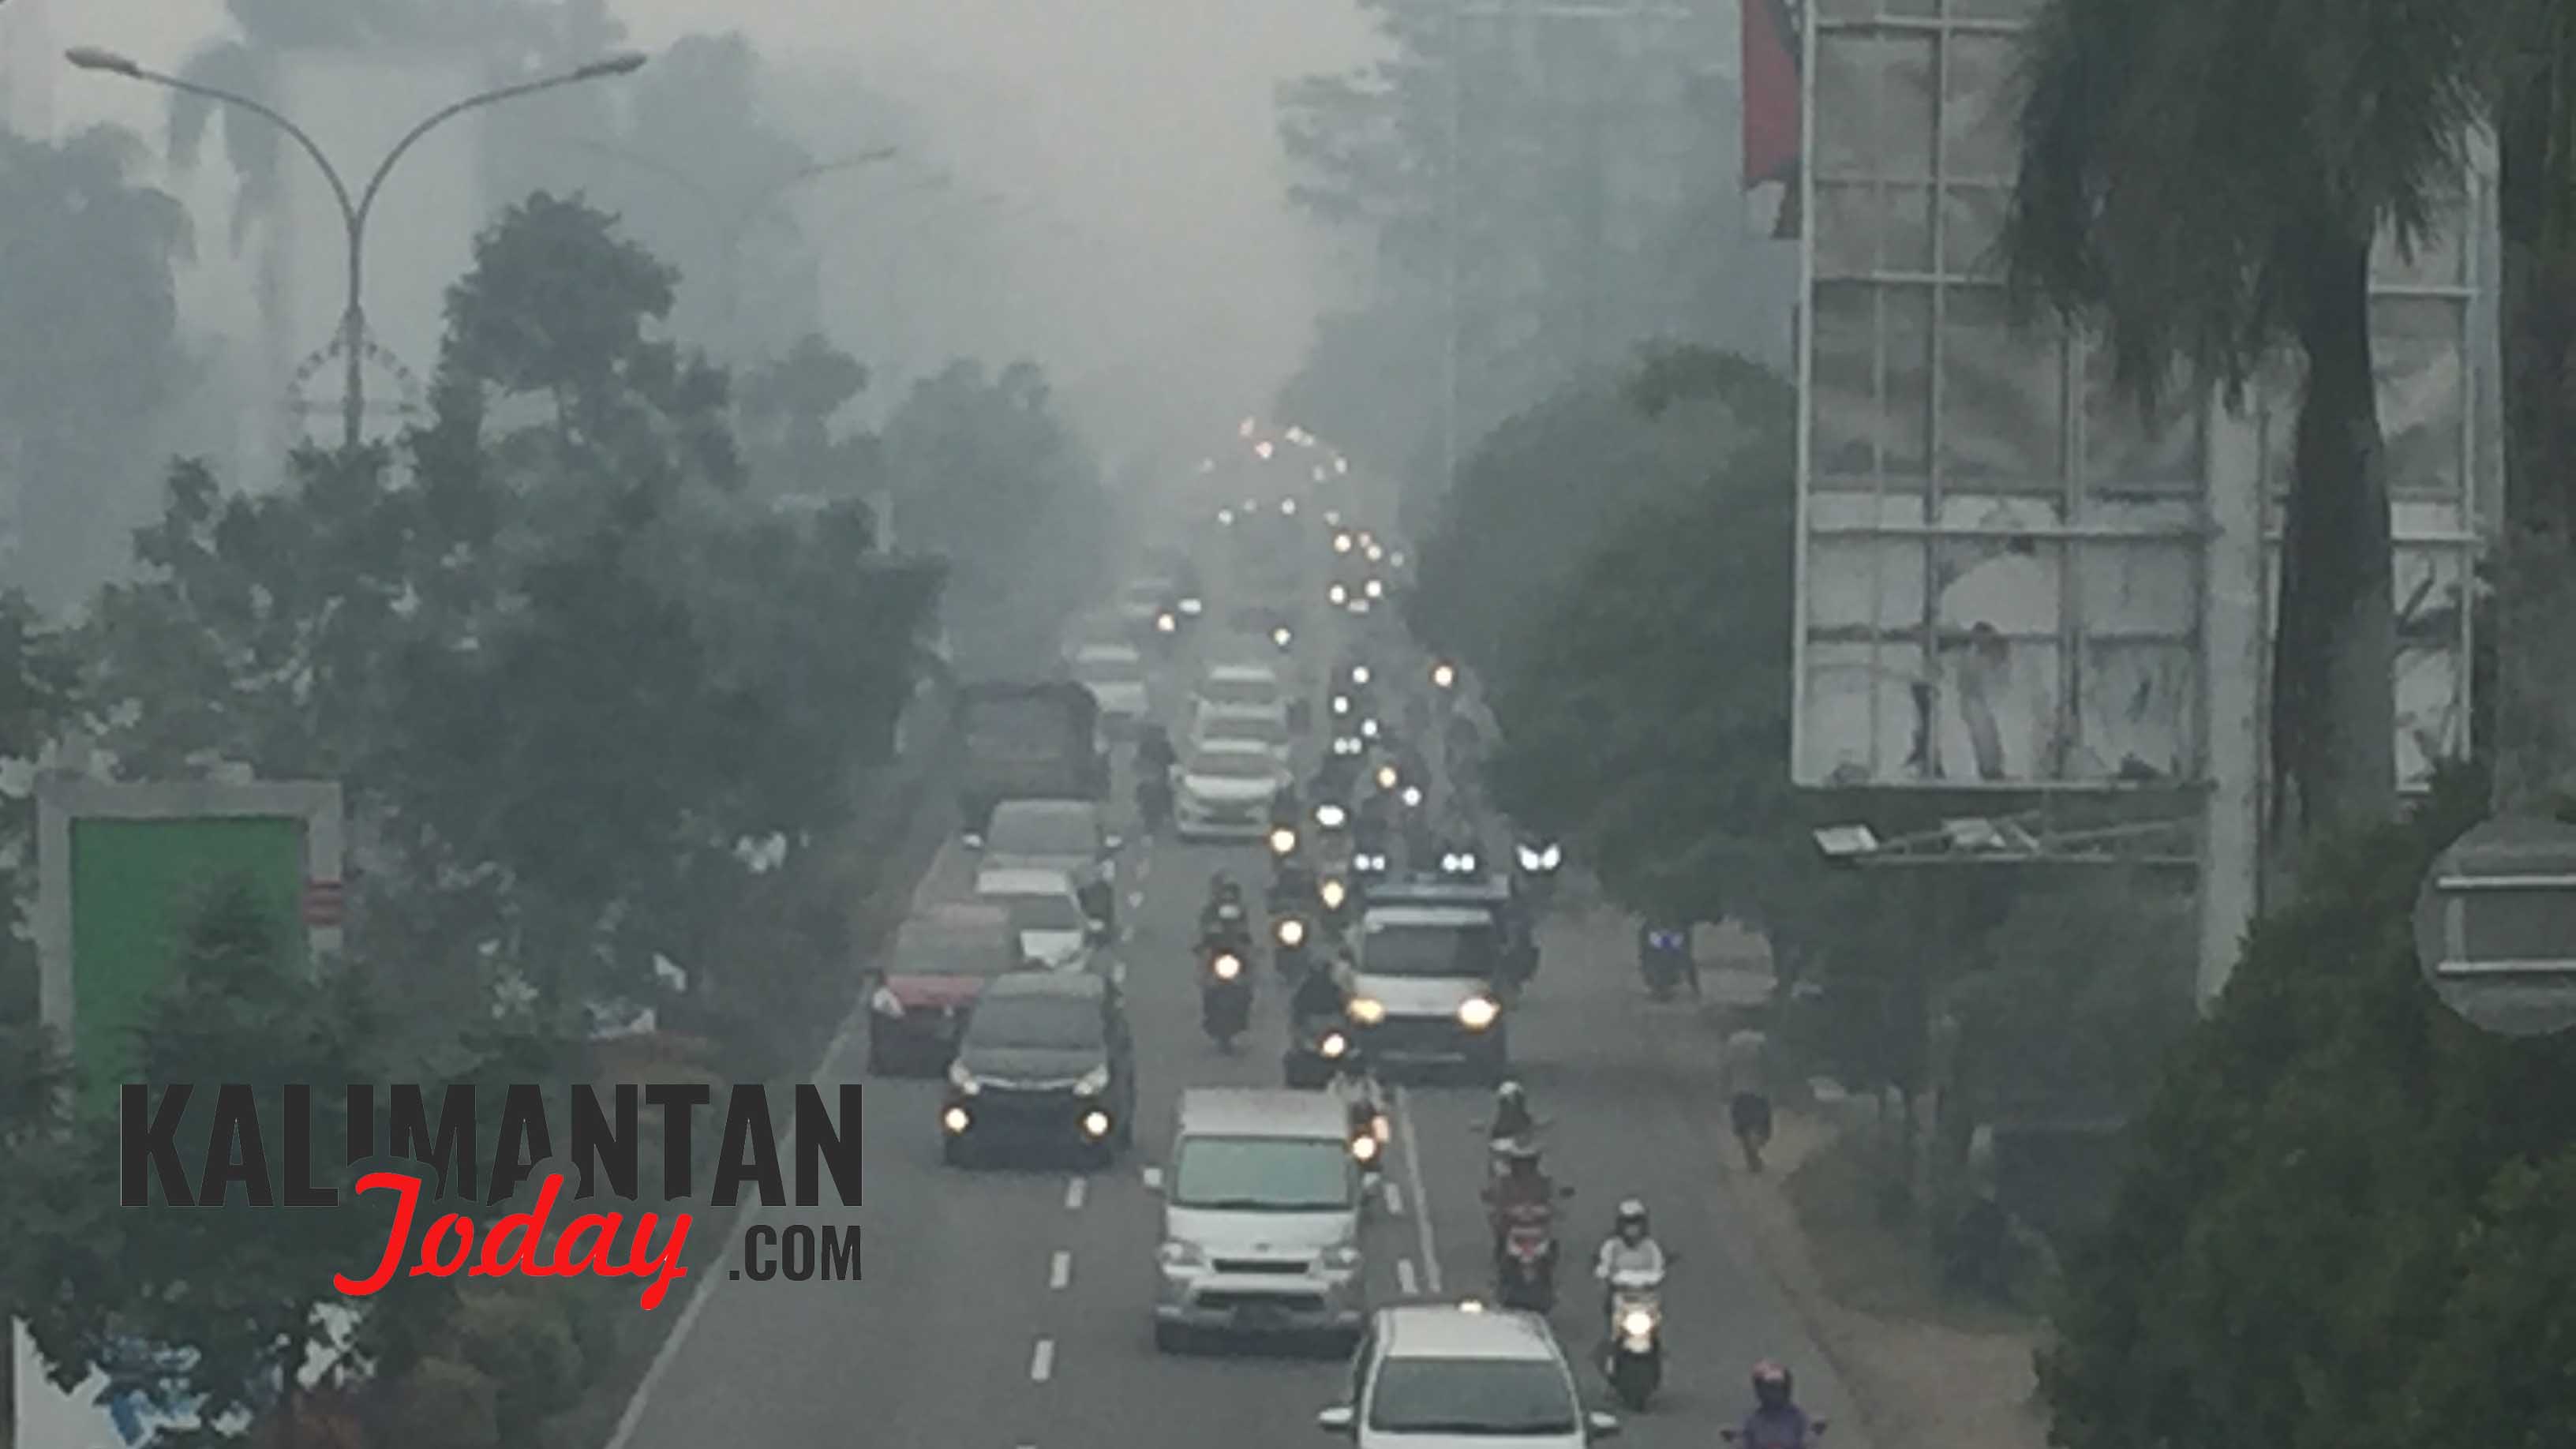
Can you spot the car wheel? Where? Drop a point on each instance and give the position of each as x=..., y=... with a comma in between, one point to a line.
x=1169, y=1337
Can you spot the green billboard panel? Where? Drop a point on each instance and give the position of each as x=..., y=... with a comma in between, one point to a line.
x=137, y=885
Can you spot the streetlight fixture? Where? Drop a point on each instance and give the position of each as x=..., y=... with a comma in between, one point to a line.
x=353, y=211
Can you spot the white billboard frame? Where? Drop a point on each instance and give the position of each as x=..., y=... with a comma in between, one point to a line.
x=2062, y=520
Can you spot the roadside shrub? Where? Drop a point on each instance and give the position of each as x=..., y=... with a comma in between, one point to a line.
x=524, y=1346
x=442, y=1404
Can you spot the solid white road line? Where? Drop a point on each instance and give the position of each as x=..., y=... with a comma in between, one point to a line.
x=1042, y=1361
x=1060, y=1272
x=1421, y=1199
x=1073, y=1193
x=1404, y=1276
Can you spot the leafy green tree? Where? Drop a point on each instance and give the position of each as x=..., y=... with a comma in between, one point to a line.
x=788, y=405
x=2204, y=182
x=90, y=254
x=984, y=472
x=239, y=1292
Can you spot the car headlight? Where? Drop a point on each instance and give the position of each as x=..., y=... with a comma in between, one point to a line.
x=962, y=1079
x=1331, y=817
x=1227, y=967
x=1193, y=607
x=1341, y=1258
x=1282, y=841
x=1292, y=932
x=884, y=1003
x=1333, y=893
x=1638, y=1324
x=1092, y=1083
x=1178, y=1254
x=1367, y=1010
x=1529, y=858
x=1551, y=858
x=1477, y=1012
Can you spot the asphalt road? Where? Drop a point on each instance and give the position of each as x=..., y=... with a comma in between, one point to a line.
x=1005, y=1308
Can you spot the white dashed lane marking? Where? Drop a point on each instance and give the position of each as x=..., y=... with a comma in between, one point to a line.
x=1394, y=1200
x=1060, y=1272
x=1404, y=1276
x=1042, y=1361
x=1073, y=1193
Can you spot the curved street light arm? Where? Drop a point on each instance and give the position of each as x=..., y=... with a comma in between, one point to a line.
x=330, y=173
x=439, y=117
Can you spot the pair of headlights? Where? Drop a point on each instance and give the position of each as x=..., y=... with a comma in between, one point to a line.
x=1475, y=1013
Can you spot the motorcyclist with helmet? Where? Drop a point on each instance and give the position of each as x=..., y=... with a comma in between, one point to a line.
x=1323, y=992
x=1223, y=922
x=1777, y=1422
x=1630, y=1248
x=1512, y=1119
x=1522, y=1192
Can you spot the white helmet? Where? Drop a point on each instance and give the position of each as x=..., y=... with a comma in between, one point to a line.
x=1508, y=1092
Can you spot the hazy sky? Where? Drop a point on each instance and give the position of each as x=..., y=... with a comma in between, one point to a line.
x=1154, y=260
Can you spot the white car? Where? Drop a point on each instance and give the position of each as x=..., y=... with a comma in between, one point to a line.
x=1223, y=723
x=1115, y=675
x=1242, y=686
x=1433, y=1376
x=1048, y=923
x=1226, y=791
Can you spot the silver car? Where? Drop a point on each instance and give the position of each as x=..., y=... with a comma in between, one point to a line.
x=1057, y=835
x=1262, y=1207
x=1441, y=1376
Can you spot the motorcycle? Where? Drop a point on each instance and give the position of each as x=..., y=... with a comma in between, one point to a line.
x=1225, y=927
x=1368, y=1125
x=1225, y=998
x=1535, y=880
x=1525, y=1269
x=1314, y=1054
x=1291, y=937
x=1154, y=803
x=1664, y=957
x=1633, y=1359
x=1815, y=1431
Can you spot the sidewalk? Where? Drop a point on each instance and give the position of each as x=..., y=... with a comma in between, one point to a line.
x=1921, y=1384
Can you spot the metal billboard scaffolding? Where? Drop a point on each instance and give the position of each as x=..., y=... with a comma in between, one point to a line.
x=2007, y=579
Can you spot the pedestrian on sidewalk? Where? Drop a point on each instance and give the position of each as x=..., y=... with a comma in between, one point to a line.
x=1746, y=1079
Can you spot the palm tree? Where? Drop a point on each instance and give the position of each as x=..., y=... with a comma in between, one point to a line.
x=2203, y=181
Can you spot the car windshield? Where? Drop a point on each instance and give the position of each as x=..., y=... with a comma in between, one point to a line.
x=949, y=951
x=1022, y=829
x=1046, y=913
x=1240, y=691
x=1262, y=1174
x=1261, y=729
x=1106, y=667
x=1518, y=1396
x=1429, y=951
x=1234, y=765
x=1034, y=1023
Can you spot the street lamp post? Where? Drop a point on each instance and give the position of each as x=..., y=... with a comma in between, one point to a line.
x=353, y=212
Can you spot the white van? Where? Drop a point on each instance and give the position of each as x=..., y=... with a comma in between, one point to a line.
x=1262, y=1207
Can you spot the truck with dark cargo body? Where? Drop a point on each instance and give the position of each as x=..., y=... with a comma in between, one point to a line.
x=1027, y=741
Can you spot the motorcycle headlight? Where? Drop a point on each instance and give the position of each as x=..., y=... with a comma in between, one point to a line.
x=1292, y=932
x=1282, y=841
x=1386, y=777
x=1359, y=674
x=1338, y=594
x=1341, y=704
x=1638, y=1324
x=962, y=1079
x=1368, y=729
x=1178, y=1254
x=1333, y=894
x=1166, y=623
x=1367, y=1010
x=1280, y=637
x=1092, y=1083
x=1333, y=1045
x=883, y=1003
x=1331, y=817
x=1477, y=1012
x=1365, y=1148
x=1376, y=588
x=1443, y=676
x=1413, y=797
x=1227, y=967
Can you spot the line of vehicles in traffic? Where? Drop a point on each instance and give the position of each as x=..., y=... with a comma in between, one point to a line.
x=1400, y=943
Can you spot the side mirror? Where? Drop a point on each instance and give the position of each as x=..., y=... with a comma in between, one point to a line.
x=1339, y=1419
x=1602, y=1426
x=1153, y=1179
